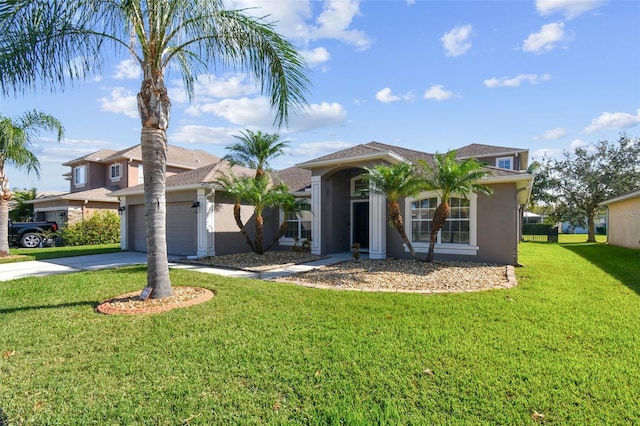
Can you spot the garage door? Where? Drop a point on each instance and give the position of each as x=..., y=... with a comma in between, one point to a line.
x=181, y=229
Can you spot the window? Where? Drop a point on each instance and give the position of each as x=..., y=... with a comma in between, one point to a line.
x=80, y=175
x=457, y=236
x=298, y=225
x=504, y=163
x=140, y=175
x=114, y=172
x=359, y=187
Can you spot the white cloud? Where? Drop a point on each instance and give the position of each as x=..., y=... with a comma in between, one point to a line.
x=317, y=116
x=128, y=70
x=437, y=92
x=197, y=134
x=316, y=56
x=411, y=2
x=295, y=19
x=516, y=81
x=553, y=134
x=385, y=96
x=243, y=112
x=614, y=121
x=577, y=143
x=208, y=87
x=546, y=39
x=570, y=8
x=120, y=101
x=543, y=153
x=316, y=149
x=456, y=42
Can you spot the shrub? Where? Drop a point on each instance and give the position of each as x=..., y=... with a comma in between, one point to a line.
x=536, y=228
x=100, y=228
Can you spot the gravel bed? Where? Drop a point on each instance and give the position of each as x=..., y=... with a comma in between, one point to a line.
x=405, y=275
x=259, y=263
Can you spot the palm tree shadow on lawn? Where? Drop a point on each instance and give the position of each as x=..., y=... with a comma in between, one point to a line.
x=621, y=263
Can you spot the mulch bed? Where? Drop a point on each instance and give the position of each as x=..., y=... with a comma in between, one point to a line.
x=131, y=304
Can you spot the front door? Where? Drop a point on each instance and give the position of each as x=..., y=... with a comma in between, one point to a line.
x=360, y=224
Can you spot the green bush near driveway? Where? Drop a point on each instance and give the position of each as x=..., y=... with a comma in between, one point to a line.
x=562, y=344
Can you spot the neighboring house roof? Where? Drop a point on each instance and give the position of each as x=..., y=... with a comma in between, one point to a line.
x=97, y=194
x=622, y=197
x=295, y=178
x=176, y=156
x=478, y=150
x=192, y=179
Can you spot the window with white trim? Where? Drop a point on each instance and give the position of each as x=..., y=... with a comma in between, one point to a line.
x=80, y=175
x=458, y=234
x=359, y=187
x=140, y=175
x=114, y=172
x=298, y=225
x=504, y=163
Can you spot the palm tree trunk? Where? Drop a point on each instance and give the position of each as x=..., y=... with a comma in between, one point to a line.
x=5, y=196
x=398, y=223
x=439, y=218
x=243, y=230
x=154, y=107
x=259, y=232
x=281, y=231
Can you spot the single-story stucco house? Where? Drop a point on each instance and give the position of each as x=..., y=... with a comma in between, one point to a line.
x=481, y=228
x=624, y=220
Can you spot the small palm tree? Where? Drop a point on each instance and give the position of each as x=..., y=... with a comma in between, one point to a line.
x=289, y=204
x=15, y=138
x=22, y=211
x=54, y=42
x=255, y=149
x=400, y=180
x=449, y=177
x=260, y=194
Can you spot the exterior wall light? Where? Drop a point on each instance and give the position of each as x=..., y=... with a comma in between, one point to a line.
x=195, y=206
x=121, y=210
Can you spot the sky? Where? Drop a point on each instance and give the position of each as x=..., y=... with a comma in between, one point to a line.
x=543, y=75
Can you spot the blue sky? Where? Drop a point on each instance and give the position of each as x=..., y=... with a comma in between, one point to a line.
x=547, y=75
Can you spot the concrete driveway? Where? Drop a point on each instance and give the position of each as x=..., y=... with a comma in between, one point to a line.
x=65, y=265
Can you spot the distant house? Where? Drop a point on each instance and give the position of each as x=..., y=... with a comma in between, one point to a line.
x=624, y=220
x=481, y=228
x=93, y=176
x=530, y=217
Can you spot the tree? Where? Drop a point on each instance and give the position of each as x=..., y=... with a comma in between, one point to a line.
x=54, y=42
x=448, y=176
x=261, y=194
x=255, y=150
x=396, y=181
x=15, y=140
x=22, y=212
x=581, y=180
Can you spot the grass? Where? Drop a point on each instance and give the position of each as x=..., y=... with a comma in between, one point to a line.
x=563, y=344
x=25, y=254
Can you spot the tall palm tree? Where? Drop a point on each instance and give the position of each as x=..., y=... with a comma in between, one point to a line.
x=396, y=181
x=15, y=140
x=255, y=149
x=449, y=177
x=54, y=42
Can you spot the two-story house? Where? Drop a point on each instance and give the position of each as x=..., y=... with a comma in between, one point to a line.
x=95, y=175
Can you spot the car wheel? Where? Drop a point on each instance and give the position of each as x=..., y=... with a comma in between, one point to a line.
x=30, y=240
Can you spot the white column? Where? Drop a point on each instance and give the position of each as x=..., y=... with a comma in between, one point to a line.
x=123, y=224
x=201, y=223
x=210, y=223
x=377, y=226
x=316, y=218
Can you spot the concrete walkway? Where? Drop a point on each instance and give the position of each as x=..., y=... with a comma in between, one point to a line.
x=66, y=265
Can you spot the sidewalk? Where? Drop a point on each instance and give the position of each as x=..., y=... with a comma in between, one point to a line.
x=66, y=265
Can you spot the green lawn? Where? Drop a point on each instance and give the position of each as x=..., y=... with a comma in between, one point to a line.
x=563, y=344
x=24, y=254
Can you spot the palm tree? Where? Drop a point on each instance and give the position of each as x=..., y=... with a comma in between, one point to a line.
x=260, y=194
x=255, y=149
x=22, y=211
x=400, y=180
x=15, y=138
x=289, y=204
x=449, y=177
x=54, y=42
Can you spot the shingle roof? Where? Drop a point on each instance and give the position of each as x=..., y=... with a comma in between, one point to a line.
x=295, y=178
x=208, y=174
x=479, y=150
x=97, y=194
x=176, y=156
